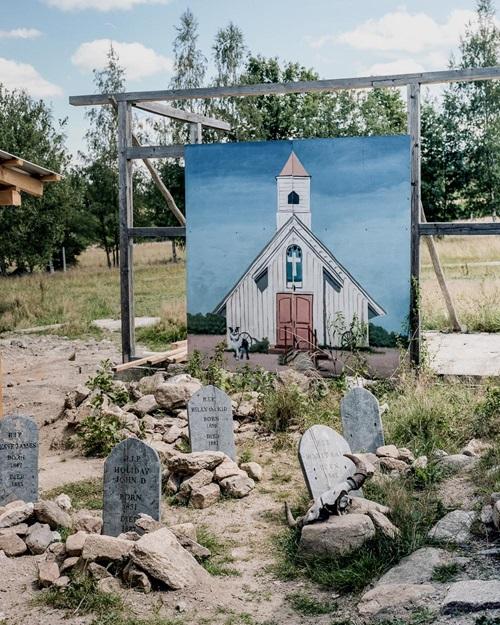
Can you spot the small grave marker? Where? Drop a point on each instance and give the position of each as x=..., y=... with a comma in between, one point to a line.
x=132, y=484
x=361, y=420
x=321, y=455
x=18, y=459
x=210, y=417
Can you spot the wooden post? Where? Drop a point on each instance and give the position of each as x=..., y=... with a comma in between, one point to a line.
x=126, y=212
x=414, y=132
x=438, y=270
x=64, y=259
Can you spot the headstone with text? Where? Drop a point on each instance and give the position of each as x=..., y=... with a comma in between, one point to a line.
x=321, y=455
x=132, y=485
x=361, y=420
x=18, y=459
x=210, y=417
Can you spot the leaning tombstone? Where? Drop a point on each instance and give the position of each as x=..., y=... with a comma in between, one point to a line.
x=18, y=459
x=321, y=455
x=361, y=420
x=132, y=485
x=210, y=420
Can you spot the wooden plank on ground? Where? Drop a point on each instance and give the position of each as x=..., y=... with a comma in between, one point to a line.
x=153, y=359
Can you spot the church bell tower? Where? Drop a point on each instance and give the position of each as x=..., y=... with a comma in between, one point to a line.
x=294, y=193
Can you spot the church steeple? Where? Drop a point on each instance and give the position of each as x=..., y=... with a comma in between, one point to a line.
x=294, y=192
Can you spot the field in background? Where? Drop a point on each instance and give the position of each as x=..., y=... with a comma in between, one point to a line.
x=91, y=291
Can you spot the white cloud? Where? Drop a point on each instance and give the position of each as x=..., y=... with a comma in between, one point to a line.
x=20, y=33
x=137, y=60
x=401, y=66
x=22, y=76
x=100, y=5
x=403, y=31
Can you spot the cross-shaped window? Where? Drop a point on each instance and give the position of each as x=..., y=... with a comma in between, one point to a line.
x=294, y=266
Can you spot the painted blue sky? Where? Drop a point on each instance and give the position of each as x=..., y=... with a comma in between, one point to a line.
x=360, y=205
x=49, y=47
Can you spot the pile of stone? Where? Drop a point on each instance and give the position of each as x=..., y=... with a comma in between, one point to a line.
x=27, y=528
x=199, y=479
x=393, y=460
x=152, y=557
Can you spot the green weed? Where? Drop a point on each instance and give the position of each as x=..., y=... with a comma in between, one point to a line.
x=86, y=494
x=445, y=572
x=217, y=563
x=307, y=605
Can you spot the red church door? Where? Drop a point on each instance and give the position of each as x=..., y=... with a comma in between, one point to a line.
x=294, y=320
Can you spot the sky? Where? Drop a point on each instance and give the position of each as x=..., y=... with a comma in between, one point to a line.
x=50, y=47
x=360, y=209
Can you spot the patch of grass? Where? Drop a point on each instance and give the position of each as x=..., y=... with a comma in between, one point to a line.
x=487, y=620
x=161, y=335
x=445, y=572
x=246, y=455
x=85, y=494
x=413, y=512
x=283, y=407
x=118, y=618
x=81, y=596
x=307, y=605
x=217, y=563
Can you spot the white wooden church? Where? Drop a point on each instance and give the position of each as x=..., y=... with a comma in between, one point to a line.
x=293, y=290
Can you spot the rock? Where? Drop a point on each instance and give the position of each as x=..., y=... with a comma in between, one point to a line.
x=245, y=404
x=418, y=567
x=194, y=483
x=63, y=501
x=495, y=514
x=172, y=434
x=81, y=393
x=406, y=455
x=437, y=454
x=386, y=598
x=195, y=549
x=392, y=464
x=106, y=548
x=290, y=376
x=383, y=524
x=176, y=391
x=487, y=515
x=109, y=585
x=161, y=556
x=472, y=596
x=253, y=469
x=144, y=405
x=48, y=572
x=456, y=462
x=49, y=512
x=21, y=530
x=57, y=550
x=237, y=486
x=387, y=451
x=205, y=496
x=75, y=543
x=476, y=448
x=12, y=545
x=189, y=464
x=14, y=515
x=454, y=527
x=129, y=535
x=494, y=497
x=164, y=450
x=62, y=582
x=184, y=529
x=137, y=578
x=69, y=563
x=149, y=384
x=339, y=535
x=173, y=484
x=226, y=468
x=420, y=463
x=147, y=524
x=86, y=522
x=39, y=538
x=364, y=506
x=131, y=422
x=97, y=571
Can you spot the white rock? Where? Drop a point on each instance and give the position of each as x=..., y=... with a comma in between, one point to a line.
x=64, y=502
x=189, y=464
x=48, y=572
x=388, y=451
x=386, y=598
x=472, y=596
x=14, y=515
x=205, y=496
x=75, y=543
x=237, y=485
x=107, y=548
x=454, y=527
x=176, y=391
x=339, y=535
x=253, y=469
x=39, y=538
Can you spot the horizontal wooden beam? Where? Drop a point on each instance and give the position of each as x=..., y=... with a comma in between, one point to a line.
x=12, y=162
x=10, y=197
x=459, y=228
x=24, y=182
x=155, y=151
x=305, y=86
x=165, y=232
x=51, y=178
x=185, y=116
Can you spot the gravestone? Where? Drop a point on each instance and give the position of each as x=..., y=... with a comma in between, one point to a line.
x=210, y=418
x=132, y=484
x=361, y=420
x=321, y=455
x=18, y=459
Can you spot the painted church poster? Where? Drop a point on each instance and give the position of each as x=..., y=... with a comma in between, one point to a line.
x=299, y=248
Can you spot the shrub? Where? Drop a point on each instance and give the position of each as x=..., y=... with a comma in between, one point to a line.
x=379, y=337
x=104, y=382
x=206, y=324
x=99, y=434
x=283, y=407
x=487, y=422
x=162, y=334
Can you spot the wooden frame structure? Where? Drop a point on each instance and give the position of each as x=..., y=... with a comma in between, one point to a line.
x=18, y=175
x=150, y=101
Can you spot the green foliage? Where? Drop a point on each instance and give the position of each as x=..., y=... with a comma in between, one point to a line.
x=103, y=381
x=445, y=573
x=99, y=433
x=379, y=337
x=260, y=347
x=307, y=605
x=81, y=596
x=86, y=494
x=162, y=334
x=283, y=407
x=217, y=563
x=487, y=421
x=206, y=324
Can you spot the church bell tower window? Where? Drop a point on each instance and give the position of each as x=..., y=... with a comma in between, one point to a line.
x=293, y=198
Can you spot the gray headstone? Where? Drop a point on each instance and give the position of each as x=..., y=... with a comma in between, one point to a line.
x=18, y=459
x=361, y=421
x=210, y=416
x=132, y=484
x=321, y=455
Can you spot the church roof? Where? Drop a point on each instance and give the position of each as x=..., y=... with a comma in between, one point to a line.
x=293, y=167
x=294, y=224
